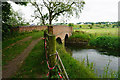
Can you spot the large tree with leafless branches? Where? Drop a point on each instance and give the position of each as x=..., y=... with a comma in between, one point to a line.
x=49, y=10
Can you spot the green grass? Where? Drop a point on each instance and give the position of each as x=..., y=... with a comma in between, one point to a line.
x=35, y=65
x=95, y=26
x=21, y=36
x=101, y=31
x=9, y=41
x=10, y=53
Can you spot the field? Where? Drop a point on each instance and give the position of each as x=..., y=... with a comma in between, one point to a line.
x=101, y=31
x=105, y=38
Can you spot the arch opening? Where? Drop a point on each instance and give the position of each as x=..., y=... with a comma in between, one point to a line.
x=66, y=38
x=59, y=40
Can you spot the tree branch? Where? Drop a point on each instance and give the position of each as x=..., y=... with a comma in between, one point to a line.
x=36, y=5
x=59, y=12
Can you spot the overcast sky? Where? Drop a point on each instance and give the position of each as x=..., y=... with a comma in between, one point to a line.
x=94, y=11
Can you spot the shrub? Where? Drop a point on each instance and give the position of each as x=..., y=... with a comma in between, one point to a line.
x=106, y=42
x=81, y=35
x=90, y=26
x=80, y=26
x=71, y=24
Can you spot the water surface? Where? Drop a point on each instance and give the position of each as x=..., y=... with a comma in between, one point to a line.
x=100, y=59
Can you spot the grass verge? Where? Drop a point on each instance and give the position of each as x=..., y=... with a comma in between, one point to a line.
x=34, y=34
x=35, y=65
x=12, y=52
x=74, y=68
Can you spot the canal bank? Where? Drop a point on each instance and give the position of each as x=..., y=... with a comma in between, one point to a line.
x=105, y=64
x=73, y=67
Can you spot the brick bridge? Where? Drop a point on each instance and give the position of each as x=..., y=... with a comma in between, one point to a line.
x=61, y=32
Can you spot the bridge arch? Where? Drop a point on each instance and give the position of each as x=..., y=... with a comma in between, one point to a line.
x=59, y=40
x=66, y=37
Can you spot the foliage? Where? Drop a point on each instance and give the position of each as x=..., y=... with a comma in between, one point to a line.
x=22, y=3
x=16, y=19
x=90, y=26
x=71, y=24
x=80, y=26
x=106, y=42
x=5, y=17
x=56, y=9
x=9, y=19
x=107, y=25
x=81, y=35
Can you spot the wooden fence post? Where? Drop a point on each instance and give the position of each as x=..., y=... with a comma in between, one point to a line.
x=44, y=41
x=50, y=29
x=51, y=53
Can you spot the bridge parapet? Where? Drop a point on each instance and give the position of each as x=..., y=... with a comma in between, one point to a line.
x=58, y=30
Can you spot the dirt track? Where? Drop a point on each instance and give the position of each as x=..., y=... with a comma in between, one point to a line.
x=12, y=67
x=23, y=40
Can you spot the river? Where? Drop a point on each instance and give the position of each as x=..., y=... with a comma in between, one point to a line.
x=100, y=59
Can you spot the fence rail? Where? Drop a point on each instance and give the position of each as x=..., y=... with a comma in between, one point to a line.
x=53, y=58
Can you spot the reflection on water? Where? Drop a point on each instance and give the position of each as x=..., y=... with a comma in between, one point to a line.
x=100, y=59
x=97, y=58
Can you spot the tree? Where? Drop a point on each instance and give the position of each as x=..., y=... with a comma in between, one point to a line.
x=16, y=19
x=48, y=10
x=71, y=24
x=6, y=17
x=92, y=23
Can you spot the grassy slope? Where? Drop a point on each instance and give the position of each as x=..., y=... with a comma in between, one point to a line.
x=10, y=53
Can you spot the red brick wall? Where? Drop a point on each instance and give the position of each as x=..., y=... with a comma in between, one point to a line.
x=29, y=28
x=22, y=29
x=61, y=28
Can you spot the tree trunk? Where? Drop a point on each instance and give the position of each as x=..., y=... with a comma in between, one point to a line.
x=52, y=51
x=50, y=29
x=50, y=19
